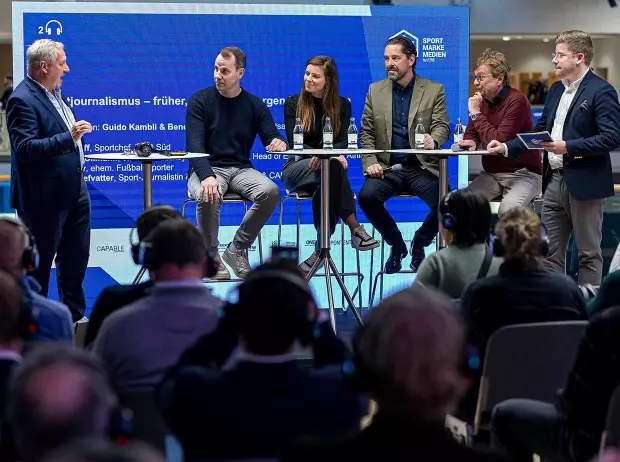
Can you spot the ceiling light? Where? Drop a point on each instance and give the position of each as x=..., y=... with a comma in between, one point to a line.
x=546, y=40
x=506, y=39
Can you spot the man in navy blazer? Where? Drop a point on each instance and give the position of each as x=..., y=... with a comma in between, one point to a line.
x=582, y=114
x=47, y=182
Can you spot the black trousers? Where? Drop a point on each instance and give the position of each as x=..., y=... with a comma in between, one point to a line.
x=413, y=180
x=297, y=177
x=66, y=235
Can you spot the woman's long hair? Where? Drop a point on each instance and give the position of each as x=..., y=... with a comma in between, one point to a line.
x=331, y=96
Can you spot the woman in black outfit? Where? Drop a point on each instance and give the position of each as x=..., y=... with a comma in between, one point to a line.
x=301, y=173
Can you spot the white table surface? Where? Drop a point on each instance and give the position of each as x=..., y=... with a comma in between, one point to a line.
x=330, y=152
x=440, y=152
x=152, y=157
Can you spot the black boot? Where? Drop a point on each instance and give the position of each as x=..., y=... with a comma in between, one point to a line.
x=394, y=261
x=417, y=256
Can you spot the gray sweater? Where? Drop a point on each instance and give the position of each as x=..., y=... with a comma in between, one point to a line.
x=453, y=268
x=141, y=341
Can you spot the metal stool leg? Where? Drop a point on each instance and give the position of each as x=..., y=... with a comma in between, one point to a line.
x=381, y=270
x=372, y=260
x=280, y=221
x=298, y=223
x=344, y=307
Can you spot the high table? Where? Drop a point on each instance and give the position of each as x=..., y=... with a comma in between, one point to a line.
x=147, y=167
x=325, y=258
x=442, y=155
x=147, y=171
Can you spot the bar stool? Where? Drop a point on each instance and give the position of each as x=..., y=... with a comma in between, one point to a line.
x=303, y=196
x=230, y=198
x=372, y=289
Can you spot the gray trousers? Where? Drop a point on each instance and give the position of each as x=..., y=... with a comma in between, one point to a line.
x=562, y=215
x=515, y=188
x=247, y=182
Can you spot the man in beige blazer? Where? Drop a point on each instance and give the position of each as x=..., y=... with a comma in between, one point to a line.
x=390, y=116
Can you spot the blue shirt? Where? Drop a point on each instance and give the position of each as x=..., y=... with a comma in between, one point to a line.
x=401, y=101
x=53, y=319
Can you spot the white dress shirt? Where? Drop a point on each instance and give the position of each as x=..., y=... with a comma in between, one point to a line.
x=556, y=161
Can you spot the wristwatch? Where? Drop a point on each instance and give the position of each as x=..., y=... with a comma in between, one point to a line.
x=475, y=116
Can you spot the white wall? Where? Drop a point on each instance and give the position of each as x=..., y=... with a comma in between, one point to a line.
x=535, y=55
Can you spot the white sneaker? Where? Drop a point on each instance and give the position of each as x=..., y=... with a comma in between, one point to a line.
x=81, y=321
x=361, y=240
x=306, y=265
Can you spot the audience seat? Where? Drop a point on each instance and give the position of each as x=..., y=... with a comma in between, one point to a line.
x=148, y=423
x=611, y=434
x=529, y=361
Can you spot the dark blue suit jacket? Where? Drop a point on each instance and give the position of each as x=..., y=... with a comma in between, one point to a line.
x=45, y=162
x=591, y=130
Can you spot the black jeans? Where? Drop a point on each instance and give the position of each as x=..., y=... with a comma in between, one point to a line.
x=414, y=180
x=297, y=177
x=524, y=427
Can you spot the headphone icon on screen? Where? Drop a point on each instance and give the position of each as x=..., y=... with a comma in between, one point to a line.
x=48, y=29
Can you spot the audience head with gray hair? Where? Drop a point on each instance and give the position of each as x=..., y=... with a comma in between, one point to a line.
x=47, y=63
x=409, y=352
x=58, y=394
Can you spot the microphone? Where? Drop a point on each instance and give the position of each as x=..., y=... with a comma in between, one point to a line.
x=393, y=168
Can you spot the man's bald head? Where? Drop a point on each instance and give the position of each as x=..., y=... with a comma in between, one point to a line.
x=58, y=395
x=13, y=242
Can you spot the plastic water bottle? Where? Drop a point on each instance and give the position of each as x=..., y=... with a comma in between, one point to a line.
x=459, y=131
x=352, y=134
x=298, y=136
x=419, y=134
x=328, y=134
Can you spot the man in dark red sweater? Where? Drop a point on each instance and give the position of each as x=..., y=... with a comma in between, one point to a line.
x=498, y=112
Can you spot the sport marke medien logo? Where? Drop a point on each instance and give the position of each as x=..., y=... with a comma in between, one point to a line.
x=433, y=48
x=411, y=37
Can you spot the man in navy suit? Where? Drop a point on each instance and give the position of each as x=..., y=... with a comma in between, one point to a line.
x=582, y=114
x=47, y=182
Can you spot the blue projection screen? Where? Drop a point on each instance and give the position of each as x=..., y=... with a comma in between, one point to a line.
x=135, y=66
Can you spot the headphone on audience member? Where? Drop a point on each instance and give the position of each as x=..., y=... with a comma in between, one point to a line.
x=499, y=251
x=144, y=254
x=308, y=330
x=28, y=318
x=448, y=221
x=135, y=243
x=30, y=255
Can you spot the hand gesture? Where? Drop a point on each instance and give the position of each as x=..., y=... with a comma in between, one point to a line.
x=473, y=104
x=429, y=142
x=210, y=190
x=496, y=147
x=276, y=145
x=343, y=161
x=315, y=164
x=79, y=128
x=556, y=147
x=469, y=144
x=374, y=171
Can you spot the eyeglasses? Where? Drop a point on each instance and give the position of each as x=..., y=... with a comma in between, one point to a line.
x=480, y=77
x=562, y=55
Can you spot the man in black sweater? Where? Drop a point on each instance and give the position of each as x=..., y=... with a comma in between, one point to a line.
x=223, y=121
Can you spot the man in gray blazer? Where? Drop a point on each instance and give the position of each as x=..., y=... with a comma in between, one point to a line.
x=139, y=343
x=391, y=112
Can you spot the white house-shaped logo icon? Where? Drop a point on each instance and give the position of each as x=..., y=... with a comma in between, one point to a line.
x=411, y=37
